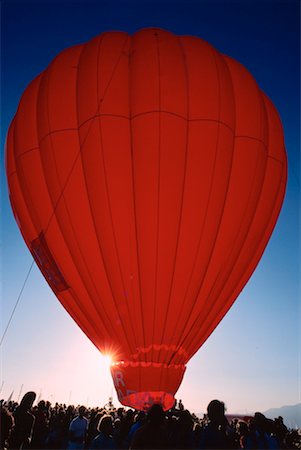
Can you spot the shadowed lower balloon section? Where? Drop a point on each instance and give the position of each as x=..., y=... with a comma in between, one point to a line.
x=134, y=383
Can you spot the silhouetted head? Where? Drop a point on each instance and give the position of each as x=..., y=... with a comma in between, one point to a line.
x=81, y=411
x=197, y=427
x=139, y=417
x=117, y=423
x=120, y=412
x=216, y=411
x=27, y=400
x=105, y=425
x=242, y=428
x=261, y=423
x=185, y=421
x=41, y=404
x=156, y=415
x=129, y=416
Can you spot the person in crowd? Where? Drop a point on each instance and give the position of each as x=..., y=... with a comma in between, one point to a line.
x=94, y=420
x=182, y=435
x=138, y=422
x=125, y=426
x=243, y=434
x=6, y=425
x=280, y=431
x=293, y=440
x=57, y=430
x=152, y=435
x=78, y=431
x=24, y=423
x=41, y=429
x=197, y=431
x=180, y=405
x=217, y=434
x=104, y=440
x=116, y=432
x=262, y=433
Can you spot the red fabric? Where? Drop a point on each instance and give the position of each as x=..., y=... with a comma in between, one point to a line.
x=141, y=384
x=154, y=169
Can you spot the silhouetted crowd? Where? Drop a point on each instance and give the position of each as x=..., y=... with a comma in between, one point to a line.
x=24, y=426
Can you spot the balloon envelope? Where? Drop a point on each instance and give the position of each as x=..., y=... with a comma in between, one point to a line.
x=146, y=174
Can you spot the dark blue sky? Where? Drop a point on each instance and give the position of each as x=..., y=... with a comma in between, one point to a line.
x=264, y=35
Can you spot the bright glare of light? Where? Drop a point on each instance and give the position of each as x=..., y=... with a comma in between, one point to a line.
x=107, y=359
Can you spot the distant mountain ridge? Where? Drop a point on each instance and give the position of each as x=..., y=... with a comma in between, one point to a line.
x=291, y=415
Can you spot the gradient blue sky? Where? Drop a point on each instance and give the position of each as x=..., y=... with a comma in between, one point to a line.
x=252, y=360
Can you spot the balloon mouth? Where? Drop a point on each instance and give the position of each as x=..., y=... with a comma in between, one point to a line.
x=144, y=400
x=140, y=384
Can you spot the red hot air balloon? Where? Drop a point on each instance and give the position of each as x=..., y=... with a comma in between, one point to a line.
x=146, y=174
